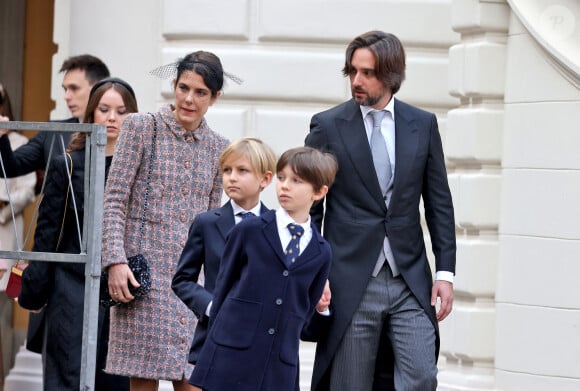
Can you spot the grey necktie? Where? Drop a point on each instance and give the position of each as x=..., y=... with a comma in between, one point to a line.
x=380, y=152
x=383, y=169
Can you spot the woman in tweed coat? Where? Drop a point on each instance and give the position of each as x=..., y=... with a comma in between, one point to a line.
x=150, y=336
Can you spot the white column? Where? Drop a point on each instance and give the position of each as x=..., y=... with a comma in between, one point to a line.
x=473, y=146
x=538, y=294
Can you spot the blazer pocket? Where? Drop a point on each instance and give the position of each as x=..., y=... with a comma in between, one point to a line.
x=291, y=339
x=236, y=323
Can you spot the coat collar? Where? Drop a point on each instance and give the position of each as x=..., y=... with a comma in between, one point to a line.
x=225, y=217
x=170, y=121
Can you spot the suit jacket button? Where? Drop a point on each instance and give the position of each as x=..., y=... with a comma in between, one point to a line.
x=271, y=331
x=285, y=273
x=278, y=301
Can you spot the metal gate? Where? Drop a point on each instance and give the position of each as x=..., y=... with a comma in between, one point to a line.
x=90, y=234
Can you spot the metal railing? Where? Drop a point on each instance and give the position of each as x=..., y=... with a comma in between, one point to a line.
x=91, y=233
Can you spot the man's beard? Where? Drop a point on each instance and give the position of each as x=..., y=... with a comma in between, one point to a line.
x=370, y=100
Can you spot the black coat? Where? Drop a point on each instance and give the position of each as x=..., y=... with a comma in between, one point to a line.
x=33, y=156
x=61, y=286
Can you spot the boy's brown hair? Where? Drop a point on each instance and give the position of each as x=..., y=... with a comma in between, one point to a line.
x=310, y=164
x=261, y=157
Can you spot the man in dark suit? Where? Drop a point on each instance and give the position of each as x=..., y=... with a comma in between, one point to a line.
x=80, y=74
x=380, y=279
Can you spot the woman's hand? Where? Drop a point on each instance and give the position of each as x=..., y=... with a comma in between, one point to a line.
x=119, y=278
x=4, y=119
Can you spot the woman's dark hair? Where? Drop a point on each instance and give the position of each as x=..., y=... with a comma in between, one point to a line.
x=389, y=56
x=205, y=64
x=5, y=106
x=79, y=139
x=113, y=80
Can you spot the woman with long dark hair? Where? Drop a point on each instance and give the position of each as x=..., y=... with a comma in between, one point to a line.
x=61, y=286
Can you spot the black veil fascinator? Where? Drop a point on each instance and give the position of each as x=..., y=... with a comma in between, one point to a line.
x=169, y=71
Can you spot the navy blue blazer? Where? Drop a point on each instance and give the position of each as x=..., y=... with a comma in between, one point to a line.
x=259, y=310
x=204, y=248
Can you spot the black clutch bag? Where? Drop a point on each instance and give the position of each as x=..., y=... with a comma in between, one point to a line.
x=140, y=269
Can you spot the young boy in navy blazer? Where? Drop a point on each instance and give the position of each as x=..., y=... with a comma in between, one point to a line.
x=265, y=295
x=247, y=166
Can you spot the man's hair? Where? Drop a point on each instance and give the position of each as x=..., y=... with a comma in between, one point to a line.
x=261, y=157
x=94, y=68
x=310, y=164
x=389, y=57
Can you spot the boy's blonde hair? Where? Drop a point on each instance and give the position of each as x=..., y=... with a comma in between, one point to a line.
x=261, y=157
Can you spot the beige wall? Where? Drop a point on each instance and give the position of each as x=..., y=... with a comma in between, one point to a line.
x=538, y=295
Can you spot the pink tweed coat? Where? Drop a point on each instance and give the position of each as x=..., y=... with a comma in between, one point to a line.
x=150, y=337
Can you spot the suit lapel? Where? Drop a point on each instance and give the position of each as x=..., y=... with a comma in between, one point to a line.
x=263, y=208
x=311, y=251
x=352, y=131
x=406, y=140
x=225, y=220
x=272, y=236
x=270, y=231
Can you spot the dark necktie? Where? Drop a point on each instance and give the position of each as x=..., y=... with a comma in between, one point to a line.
x=293, y=248
x=245, y=215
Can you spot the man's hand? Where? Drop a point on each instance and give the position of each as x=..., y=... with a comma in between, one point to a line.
x=443, y=290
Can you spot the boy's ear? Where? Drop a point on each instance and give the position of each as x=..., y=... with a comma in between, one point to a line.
x=318, y=195
x=266, y=180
